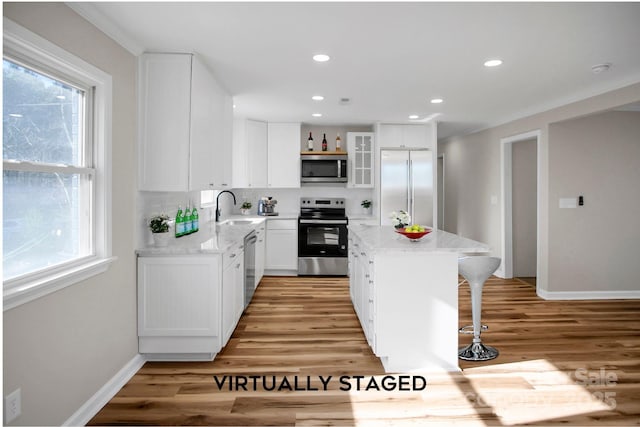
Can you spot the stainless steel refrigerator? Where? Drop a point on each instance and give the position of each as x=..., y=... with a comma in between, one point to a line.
x=406, y=181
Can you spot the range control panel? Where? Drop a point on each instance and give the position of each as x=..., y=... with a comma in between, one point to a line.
x=331, y=202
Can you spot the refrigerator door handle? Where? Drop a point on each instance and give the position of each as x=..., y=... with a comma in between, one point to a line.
x=409, y=187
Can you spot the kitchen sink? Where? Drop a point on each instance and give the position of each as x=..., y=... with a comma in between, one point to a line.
x=239, y=222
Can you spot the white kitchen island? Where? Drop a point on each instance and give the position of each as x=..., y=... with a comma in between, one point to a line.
x=406, y=295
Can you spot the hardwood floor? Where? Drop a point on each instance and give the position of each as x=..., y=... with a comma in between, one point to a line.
x=560, y=363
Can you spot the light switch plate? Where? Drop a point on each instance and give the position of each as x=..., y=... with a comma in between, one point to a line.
x=568, y=202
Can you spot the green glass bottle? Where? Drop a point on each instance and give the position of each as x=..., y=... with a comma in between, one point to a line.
x=179, y=222
x=187, y=220
x=195, y=221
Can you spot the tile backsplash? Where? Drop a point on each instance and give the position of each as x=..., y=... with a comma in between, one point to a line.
x=151, y=203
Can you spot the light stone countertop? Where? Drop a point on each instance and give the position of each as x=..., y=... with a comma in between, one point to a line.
x=212, y=238
x=380, y=239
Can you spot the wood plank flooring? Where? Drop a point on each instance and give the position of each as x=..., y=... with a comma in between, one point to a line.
x=560, y=363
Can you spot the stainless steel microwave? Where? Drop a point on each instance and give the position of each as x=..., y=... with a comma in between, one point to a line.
x=323, y=168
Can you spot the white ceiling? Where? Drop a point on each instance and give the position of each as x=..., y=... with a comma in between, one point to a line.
x=390, y=59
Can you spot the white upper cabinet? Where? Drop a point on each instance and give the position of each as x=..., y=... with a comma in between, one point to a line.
x=249, y=154
x=183, y=113
x=403, y=136
x=266, y=155
x=361, y=149
x=283, y=166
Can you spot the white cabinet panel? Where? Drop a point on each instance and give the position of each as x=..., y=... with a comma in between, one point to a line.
x=361, y=149
x=183, y=124
x=261, y=247
x=257, y=153
x=229, y=292
x=404, y=136
x=188, y=306
x=283, y=155
x=179, y=297
x=164, y=106
x=282, y=245
x=390, y=135
x=249, y=154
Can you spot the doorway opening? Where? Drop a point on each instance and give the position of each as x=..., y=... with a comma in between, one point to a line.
x=520, y=179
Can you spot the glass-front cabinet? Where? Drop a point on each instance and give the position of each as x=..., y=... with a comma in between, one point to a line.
x=361, y=149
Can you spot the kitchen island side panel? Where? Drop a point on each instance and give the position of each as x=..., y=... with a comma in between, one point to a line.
x=417, y=310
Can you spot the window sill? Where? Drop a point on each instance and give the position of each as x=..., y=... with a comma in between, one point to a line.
x=29, y=291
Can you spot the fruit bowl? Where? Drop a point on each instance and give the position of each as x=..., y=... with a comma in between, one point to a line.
x=415, y=235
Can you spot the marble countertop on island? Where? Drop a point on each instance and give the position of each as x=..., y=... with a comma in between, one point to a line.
x=384, y=238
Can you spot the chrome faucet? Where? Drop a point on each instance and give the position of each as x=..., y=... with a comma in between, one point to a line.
x=218, y=204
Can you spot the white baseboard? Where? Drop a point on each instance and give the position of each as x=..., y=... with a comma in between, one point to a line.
x=91, y=407
x=586, y=295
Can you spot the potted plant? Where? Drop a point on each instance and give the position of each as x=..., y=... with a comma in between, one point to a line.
x=245, y=209
x=400, y=219
x=366, y=206
x=159, y=226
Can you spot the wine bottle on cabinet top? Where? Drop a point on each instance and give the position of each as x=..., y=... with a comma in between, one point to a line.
x=310, y=143
x=338, y=143
x=324, y=142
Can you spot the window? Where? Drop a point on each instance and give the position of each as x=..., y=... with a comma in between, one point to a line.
x=56, y=172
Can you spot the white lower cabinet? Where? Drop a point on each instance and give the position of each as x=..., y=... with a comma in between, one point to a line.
x=189, y=305
x=362, y=289
x=282, y=247
x=232, y=291
x=261, y=247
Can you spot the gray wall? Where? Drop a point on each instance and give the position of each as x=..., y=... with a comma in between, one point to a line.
x=61, y=348
x=473, y=177
x=595, y=247
x=524, y=174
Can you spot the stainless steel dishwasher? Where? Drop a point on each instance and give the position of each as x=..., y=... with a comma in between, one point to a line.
x=249, y=266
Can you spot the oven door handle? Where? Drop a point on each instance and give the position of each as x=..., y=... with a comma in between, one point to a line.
x=323, y=221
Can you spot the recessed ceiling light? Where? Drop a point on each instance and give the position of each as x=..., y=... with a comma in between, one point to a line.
x=317, y=97
x=317, y=115
x=321, y=57
x=437, y=101
x=413, y=117
x=61, y=97
x=15, y=115
x=493, y=63
x=600, y=68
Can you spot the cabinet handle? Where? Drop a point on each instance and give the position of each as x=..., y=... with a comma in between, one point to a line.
x=367, y=276
x=363, y=254
x=238, y=266
x=371, y=262
x=225, y=185
x=232, y=256
x=370, y=300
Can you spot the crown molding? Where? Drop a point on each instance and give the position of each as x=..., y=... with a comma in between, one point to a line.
x=92, y=14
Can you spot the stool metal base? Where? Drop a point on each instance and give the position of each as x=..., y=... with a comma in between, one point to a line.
x=477, y=352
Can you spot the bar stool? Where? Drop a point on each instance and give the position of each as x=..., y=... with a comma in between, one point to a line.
x=476, y=270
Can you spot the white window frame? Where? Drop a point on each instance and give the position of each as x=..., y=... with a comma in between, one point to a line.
x=22, y=43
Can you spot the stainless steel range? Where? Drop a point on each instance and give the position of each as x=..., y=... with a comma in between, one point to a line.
x=322, y=237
